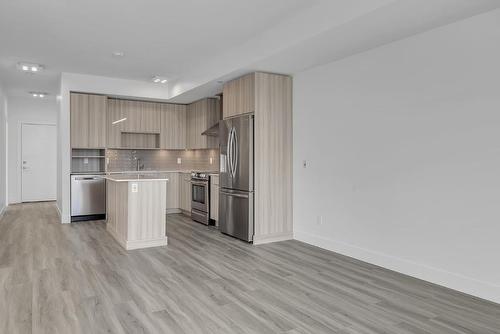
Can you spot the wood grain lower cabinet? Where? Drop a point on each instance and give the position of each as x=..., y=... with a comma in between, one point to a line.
x=173, y=191
x=185, y=193
x=88, y=120
x=200, y=116
x=173, y=126
x=214, y=198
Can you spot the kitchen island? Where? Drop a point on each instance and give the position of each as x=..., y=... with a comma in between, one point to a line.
x=136, y=209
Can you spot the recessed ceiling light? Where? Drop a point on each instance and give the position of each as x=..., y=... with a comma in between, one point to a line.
x=158, y=79
x=29, y=67
x=118, y=54
x=39, y=94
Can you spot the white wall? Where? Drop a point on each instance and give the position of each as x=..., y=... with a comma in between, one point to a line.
x=72, y=82
x=28, y=110
x=3, y=150
x=403, y=151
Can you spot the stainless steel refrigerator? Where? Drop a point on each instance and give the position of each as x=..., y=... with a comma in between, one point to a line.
x=236, y=181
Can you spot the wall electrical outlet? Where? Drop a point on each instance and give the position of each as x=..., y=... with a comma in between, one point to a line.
x=179, y=161
x=85, y=161
x=135, y=187
x=211, y=160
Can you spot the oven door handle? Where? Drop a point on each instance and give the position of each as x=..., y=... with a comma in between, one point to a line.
x=198, y=183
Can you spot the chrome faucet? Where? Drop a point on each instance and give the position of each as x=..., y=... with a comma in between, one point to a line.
x=139, y=166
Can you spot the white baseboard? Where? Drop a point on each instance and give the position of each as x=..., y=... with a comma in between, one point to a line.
x=169, y=211
x=274, y=237
x=58, y=211
x=136, y=244
x=455, y=281
x=66, y=219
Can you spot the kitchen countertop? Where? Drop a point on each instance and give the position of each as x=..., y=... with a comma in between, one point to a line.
x=136, y=177
x=160, y=171
x=132, y=172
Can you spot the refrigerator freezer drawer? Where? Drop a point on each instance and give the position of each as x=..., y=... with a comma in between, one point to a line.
x=236, y=213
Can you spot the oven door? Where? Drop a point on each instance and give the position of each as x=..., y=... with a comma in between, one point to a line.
x=199, y=196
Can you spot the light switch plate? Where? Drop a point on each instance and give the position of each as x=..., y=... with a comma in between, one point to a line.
x=135, y=187
x=179, y=161
x=211, y=160
x=85, y=161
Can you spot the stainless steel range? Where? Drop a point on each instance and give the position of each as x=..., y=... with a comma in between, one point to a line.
x=200, y=197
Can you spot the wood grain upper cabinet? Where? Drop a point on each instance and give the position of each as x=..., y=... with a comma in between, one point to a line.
x=114, y=129
x=239, y=96
x=97, y=121
x=88, y=120
x=79, y=107
x=128, y=120
x=200, y=116
x=173, y=126
x=142, y=117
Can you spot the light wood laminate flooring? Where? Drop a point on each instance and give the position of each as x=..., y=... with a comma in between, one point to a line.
x=76, y=279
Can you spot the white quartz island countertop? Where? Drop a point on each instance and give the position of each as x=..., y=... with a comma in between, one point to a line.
x=137, y=177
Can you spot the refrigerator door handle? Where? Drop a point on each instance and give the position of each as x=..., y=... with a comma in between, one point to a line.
x=235, y=148
x=229, y=160
x=233, y=194
x=232, y=148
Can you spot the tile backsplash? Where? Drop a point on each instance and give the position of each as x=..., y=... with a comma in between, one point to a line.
x=126, y=160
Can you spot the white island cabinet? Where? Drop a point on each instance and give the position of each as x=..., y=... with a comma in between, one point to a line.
x=136, y=206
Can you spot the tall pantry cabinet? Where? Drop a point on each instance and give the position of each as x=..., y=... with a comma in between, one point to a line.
x=269, y=97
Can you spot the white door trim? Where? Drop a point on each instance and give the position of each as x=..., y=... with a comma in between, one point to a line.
x=20, y=153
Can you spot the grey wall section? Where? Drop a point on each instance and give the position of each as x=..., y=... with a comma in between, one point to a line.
x=24, y=109
x=403, y=151
x=3, y=150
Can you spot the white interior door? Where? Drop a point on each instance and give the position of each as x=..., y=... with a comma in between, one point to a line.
x=38, y=163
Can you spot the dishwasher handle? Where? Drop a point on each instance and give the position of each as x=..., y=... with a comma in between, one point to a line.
x=87, y=178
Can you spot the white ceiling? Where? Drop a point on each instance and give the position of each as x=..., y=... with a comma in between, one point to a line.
x=164, y=37
x=195, y=43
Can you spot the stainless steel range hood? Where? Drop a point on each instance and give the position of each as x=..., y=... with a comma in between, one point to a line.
x=212, y=131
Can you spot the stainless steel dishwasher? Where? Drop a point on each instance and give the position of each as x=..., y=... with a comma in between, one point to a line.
x=88, y=197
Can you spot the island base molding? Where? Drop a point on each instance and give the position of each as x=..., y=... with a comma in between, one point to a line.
x=138, y=244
